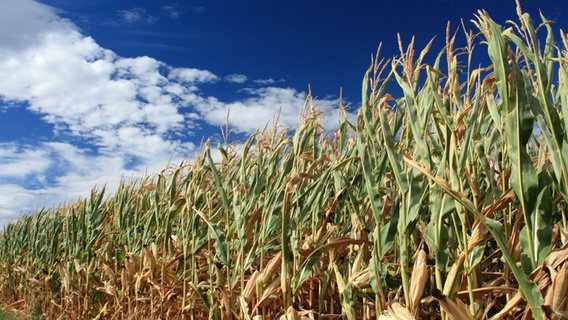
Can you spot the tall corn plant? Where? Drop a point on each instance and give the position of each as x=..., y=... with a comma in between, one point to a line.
x=442, y=138
x=449, y=172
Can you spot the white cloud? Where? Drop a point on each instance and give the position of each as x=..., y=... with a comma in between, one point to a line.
x=74, y=172
x=136, y=15
x=262, y=107
x=84, y=170
x=15, y=200
x=114, y=116
x=172, y=11
x=268, y=81
x=95, y=94
x=236, y=78
x=31, y=18
x=189, y=75
x=125, y=111
x=18, y=162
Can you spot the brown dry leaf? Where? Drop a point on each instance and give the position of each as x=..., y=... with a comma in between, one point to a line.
x=396, y=311
x=150, y=259
x=358, y=262
x=65, y=277
x=478, y=234
x=341, y=242
x=418, y=280
x=540, y=277
x=110, y=274
x=291, y=314
x=485, y=291
x=557, y=257
x=500, y=204
x=271, y=267
x=271, y=290
x=249, y=292
x=564, y=235
x=244, y=308
x=361, y=278
x=132, y=264
x=560, y=289
x=400, y=312
x=387, y=207
x=511, y=304
x=78, y=267
x=456, y=310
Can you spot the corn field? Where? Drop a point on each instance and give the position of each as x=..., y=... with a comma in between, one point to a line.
x=445, y=198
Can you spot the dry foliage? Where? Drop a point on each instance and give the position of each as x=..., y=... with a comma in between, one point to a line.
x=448, y=201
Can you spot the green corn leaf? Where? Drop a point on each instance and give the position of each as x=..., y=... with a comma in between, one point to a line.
x=498, y=53
x=415, y=120
x=305, y=271
x=528, y=288
x=345, y=295
x=540, y=222
x=221, y=247
x=202, y=294
x=218, y=182
x=547, y=116
x=370, y=183
x=388, y=233
x=436, y=231
x=388, y=142
x=524, y=179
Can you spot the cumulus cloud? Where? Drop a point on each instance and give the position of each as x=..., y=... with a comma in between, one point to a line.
x=124, y=111
x=18, y=162
x=189, y=75
x=15, y=200
x=120, y=103
x=262, y=106
x=236, y=78
x=114, y=116
x=69, y=173
x=32, y=19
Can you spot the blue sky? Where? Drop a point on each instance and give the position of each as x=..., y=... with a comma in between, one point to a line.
x=94, y=91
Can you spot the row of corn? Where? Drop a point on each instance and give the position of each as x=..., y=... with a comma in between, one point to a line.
x=448, y=201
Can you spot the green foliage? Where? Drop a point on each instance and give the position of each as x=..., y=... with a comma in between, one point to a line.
x=468, y=165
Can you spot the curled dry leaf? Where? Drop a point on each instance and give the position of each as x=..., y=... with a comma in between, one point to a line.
x=478, y=234
x=456, y=310
x=560, y=289
x=249, y=291
x=400, y=312
x=418, y=280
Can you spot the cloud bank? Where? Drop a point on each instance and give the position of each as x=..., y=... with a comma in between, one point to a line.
x=112, y=116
